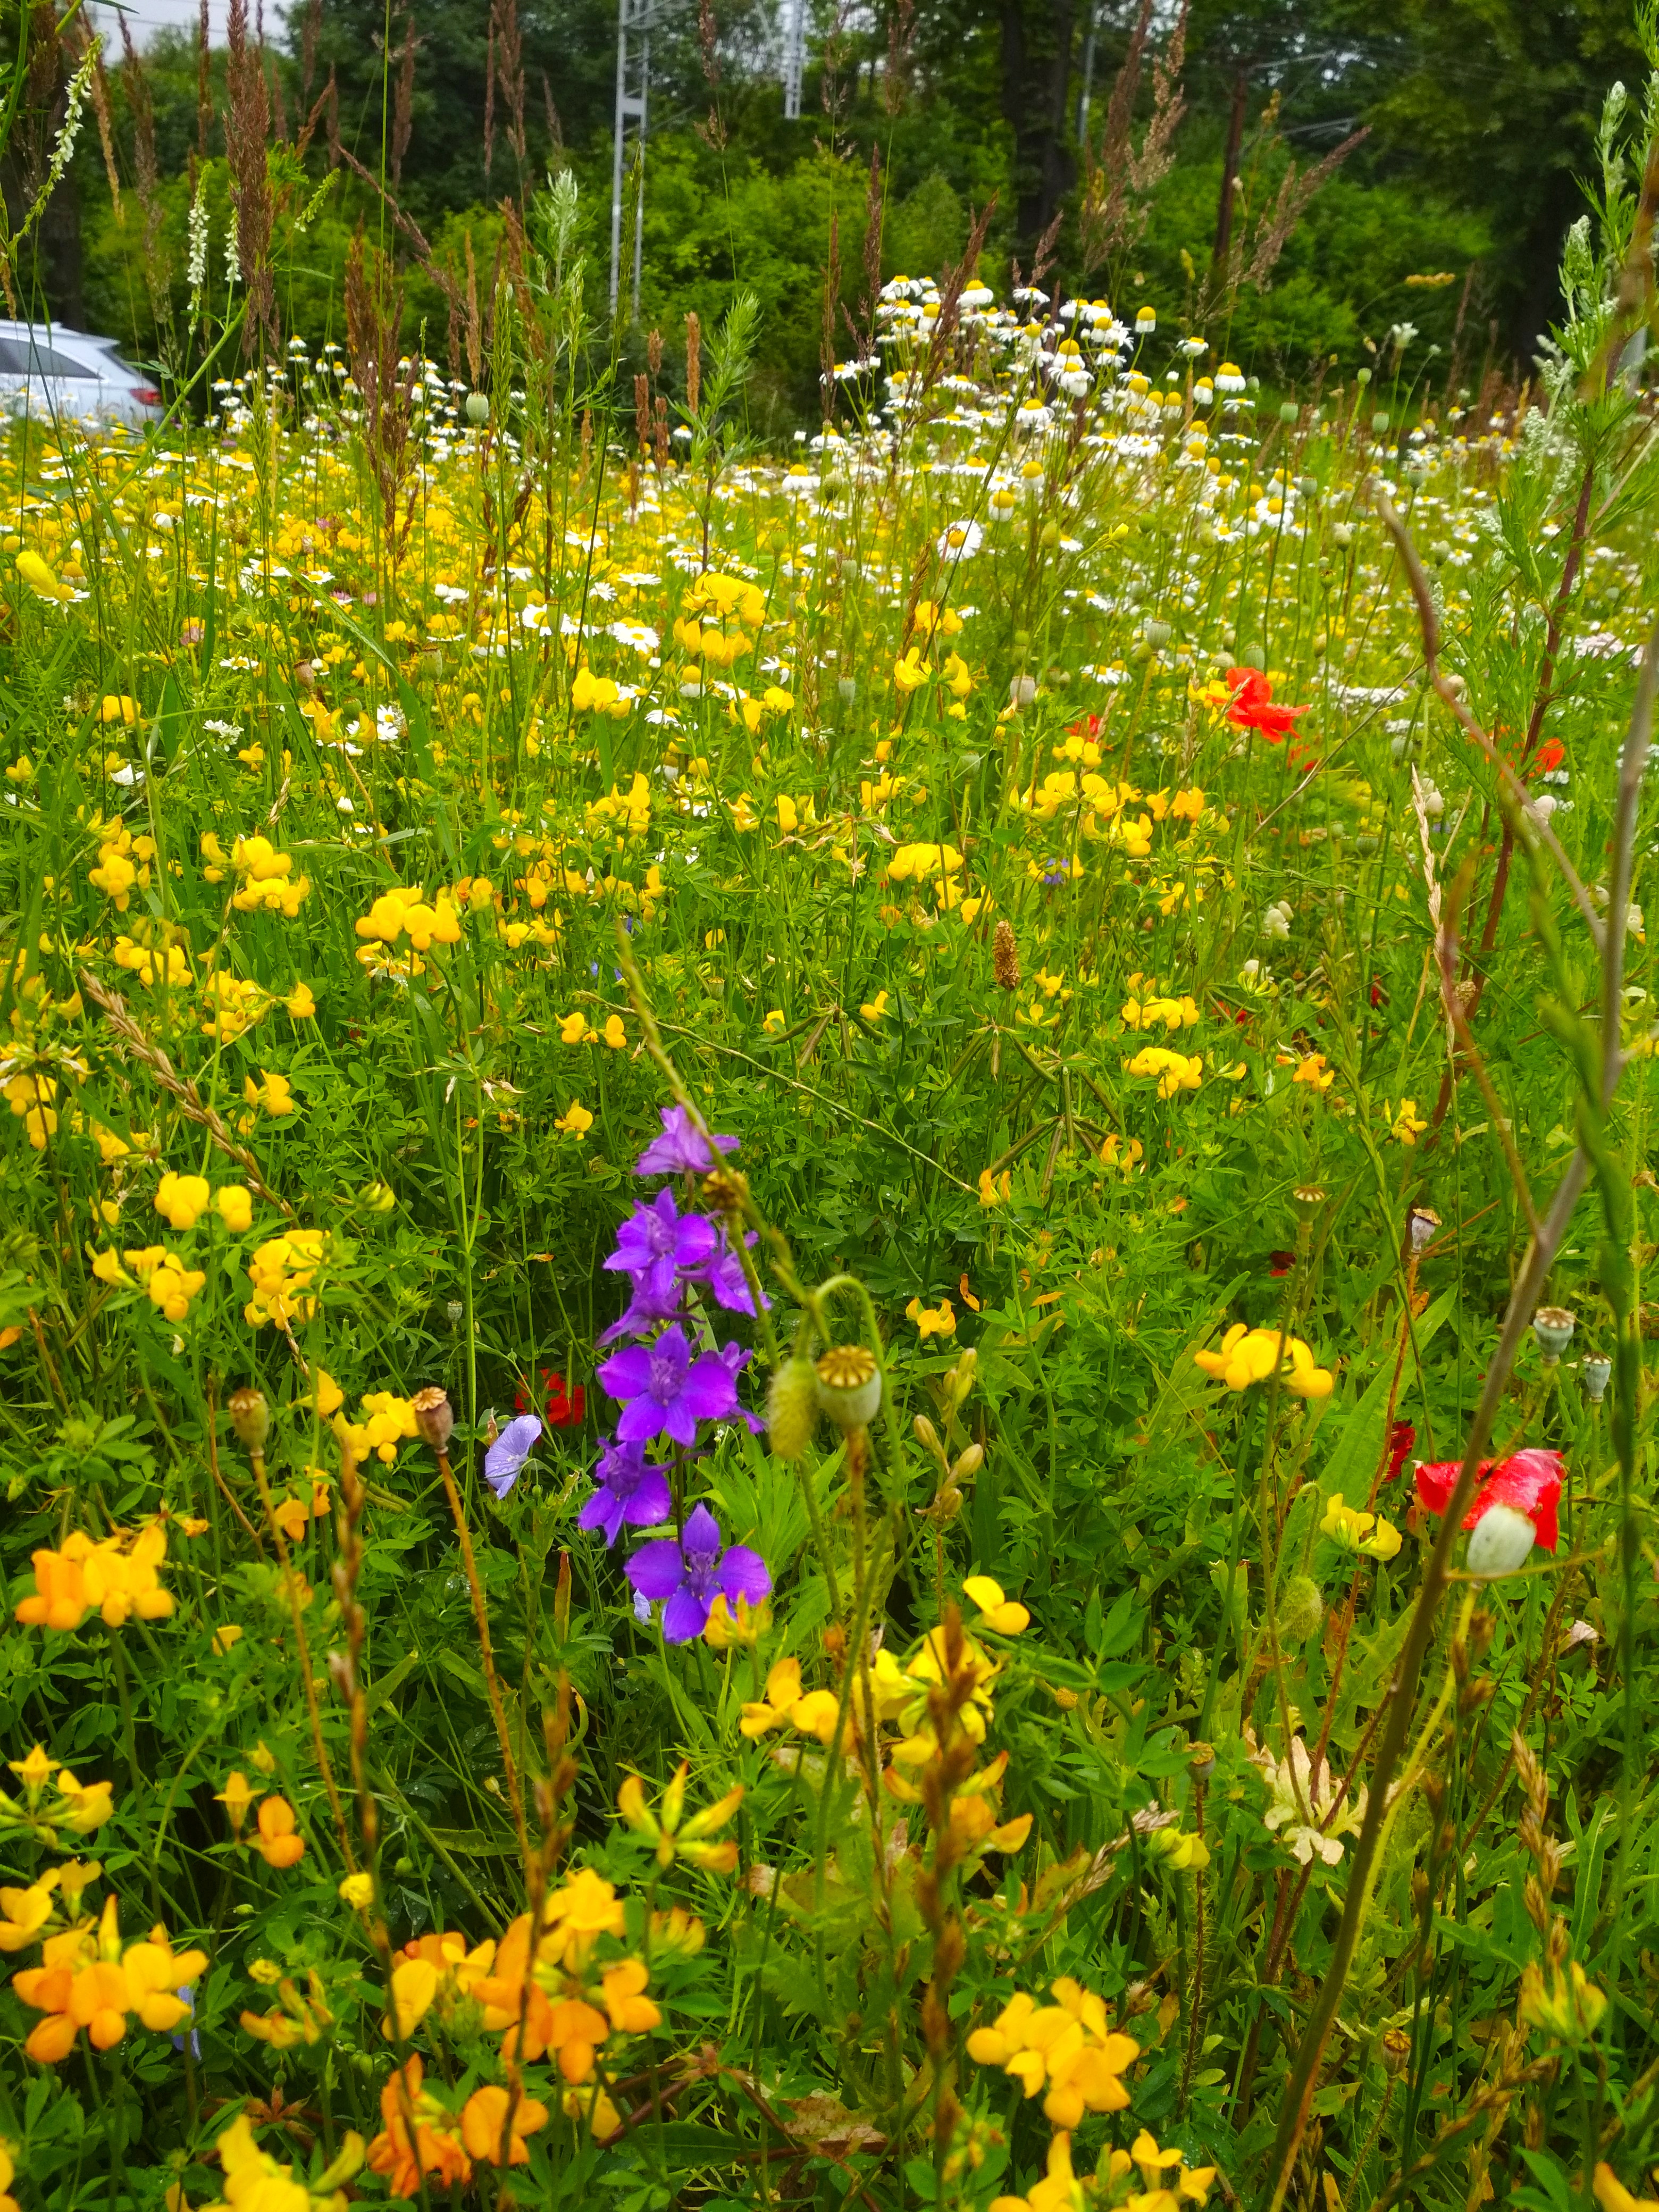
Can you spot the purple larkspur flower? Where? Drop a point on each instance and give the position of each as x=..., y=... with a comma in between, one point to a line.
x=506, y=1456
x=629, y=1490
x=644, y=1310
x=723, y=1273
x=737, y=1360
x=688, y=1574
x=681, y=1149
x=657, y=1242
x=664, y=1388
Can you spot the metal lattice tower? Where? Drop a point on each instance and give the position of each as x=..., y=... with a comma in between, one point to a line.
x=634, y=22
x=794, y=55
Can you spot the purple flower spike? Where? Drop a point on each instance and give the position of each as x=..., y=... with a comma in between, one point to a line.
x=680, y=1150
x=664, y=1388
x=689, y=1574
x=655, y=1241
x=508, y=1454
x=629, y=1490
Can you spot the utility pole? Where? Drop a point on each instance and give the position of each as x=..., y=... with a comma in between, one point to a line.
x=794, y=57
x=634, y=20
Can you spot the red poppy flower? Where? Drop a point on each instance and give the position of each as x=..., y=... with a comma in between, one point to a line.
x=564, y=1410
x=1548, y=757
x=1280, y=1263
x=1088, y=726
x=1401, y=1438
x=1253, y=708
x=1528, y=1481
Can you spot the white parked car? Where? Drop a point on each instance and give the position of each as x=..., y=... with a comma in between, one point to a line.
x=46, y=370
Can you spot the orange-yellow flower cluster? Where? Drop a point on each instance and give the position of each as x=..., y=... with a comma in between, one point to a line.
x=118, y=1577
x=87, y=1979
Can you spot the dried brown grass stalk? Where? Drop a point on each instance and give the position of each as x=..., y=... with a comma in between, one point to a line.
x=133, y=1043
x=247, y=139
x=1119, y=179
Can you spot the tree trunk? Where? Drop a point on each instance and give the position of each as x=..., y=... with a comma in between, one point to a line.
x=1224, y=213
x=1038, y=38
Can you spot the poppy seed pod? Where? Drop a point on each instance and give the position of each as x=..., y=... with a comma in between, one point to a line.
x=792, y=1405
x=434, y=1417
x=849, y=1385
x=250, y=1417
x=1552, y=1326
x=1597, y=1371
x=478, y=408
x=1423, y=1221
x=1300, y=1609
x=1502, y=1543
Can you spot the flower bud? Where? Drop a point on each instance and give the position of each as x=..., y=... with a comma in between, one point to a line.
x=250, y=1417
x=1502, y=1543
x=434, y=1417
x=1596, y=1370
x=792, y=1403
x=1394, y=2050
x=927, y=1434
x=849, y=1385
x=1552, y=1326
x=968, y=1463
x=478, y=409
x=1300, y=1609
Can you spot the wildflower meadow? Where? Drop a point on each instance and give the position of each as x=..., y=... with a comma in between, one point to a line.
x=823, y=1328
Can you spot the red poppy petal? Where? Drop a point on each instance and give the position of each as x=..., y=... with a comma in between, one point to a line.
x=1530, y=1481
x=1436, y=1481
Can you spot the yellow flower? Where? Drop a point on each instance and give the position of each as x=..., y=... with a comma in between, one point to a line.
x=573, y=1028
x=933, y=1320
x=672, y=1835
x=1407, y=1125
x=995, y=1190
x=876, y=1009
x=1570, y=2007
x=114, y=709
x=358, y=1891
x=234, y=1204
x=1176, y=1070
x=1069, y=2045
x=272, y=1091
x=912, y=672
x=1250, y=1355
x=40, y=578
x=774, y=1024
x=181, y=1200
x=1360, y=1532
x=1313, y=1072
x=1003, y=1614
x=576, y=1121
x=1612, y=2195
x=614, y=1034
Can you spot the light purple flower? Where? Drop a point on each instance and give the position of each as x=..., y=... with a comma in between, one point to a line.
x=656, y=1242
x=508, y=1454
x=689, y=1574
x=629, y=1490
x=664, y=1388
x=680, y=1150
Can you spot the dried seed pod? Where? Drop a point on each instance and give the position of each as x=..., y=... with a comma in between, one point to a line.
x=250, y=1417
x=434, y=1417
